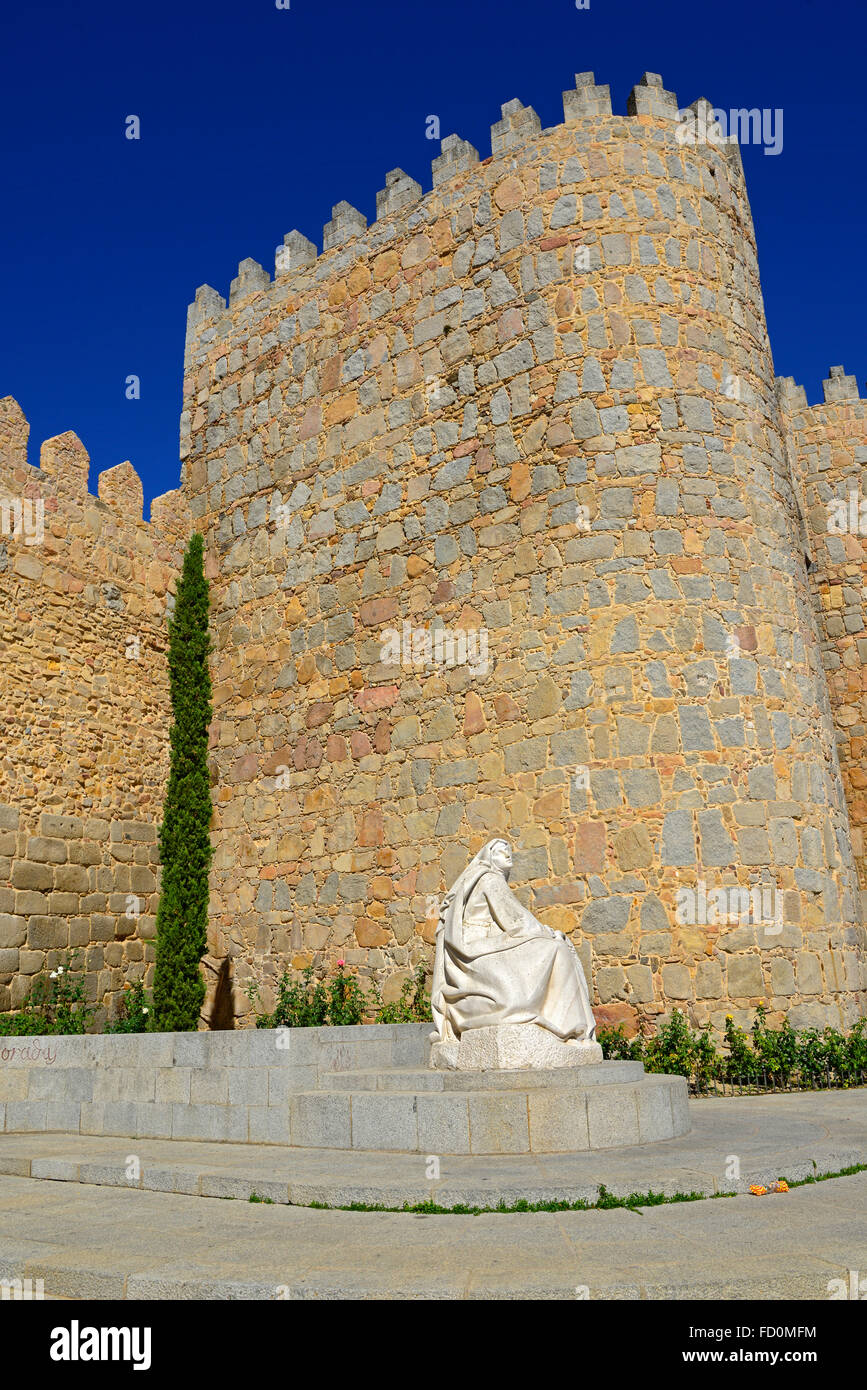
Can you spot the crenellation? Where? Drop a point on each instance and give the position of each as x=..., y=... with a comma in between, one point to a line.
x=586, y=98
x=649, y=98
x=346, y=222
x=296, y=253
x=519, y=124
x=792, y=396
x=121, y=489
x=66, y=462
x=840, y=387
x=252, y=278
x=206, y=306
x=400, y=191
x=533, y=409
x=14, y=433
x=456, y=156
x=170, y=518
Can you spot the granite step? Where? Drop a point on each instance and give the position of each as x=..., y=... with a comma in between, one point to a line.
x=527, y=1118
x=426, y=1079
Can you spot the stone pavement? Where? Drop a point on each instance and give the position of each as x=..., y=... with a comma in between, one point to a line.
x=97, y=1242
x=790, y=1136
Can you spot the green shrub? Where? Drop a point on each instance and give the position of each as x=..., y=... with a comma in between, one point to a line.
x=680, y=1052
x=764, y=1056
x=413, y=1006
x=338, y=1001
x=307, y=1004
x=617, y=1047
x=133, y=1011
x=55, y=1004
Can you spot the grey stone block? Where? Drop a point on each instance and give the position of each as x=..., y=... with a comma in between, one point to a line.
x=443, y=1124
x=57, y=1169
x=28, y=1116
x=120, y=1117
x=269, y=1124
x=189, y=1049
x=498, y=1123
x=384, y=1121
x=14, y=1085
x=246, y=1086
x=653, y=1099
x=125, y=1083
x=218, y=1122
x=216, y=1185
x=154, y=1121
x=612, y=1117
x=410, y=1045
x=320, y=1121
x=172, y=1084
x=106, y=1174
x=91, y=1117
x=72, y=1084
x=558, y=1121
x=156, y=1179
x=286, y=1081
x=209, y=1086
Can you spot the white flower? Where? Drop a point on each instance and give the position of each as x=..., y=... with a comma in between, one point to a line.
x=53, y=975
x=145, y=1011
x=60, y=969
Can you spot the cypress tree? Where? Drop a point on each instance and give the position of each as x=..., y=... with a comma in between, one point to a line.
x=184, y=840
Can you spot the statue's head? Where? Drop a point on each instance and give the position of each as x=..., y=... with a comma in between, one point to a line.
x=500, y=854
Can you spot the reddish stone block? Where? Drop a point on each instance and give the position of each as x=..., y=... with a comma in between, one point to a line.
x=590, y=848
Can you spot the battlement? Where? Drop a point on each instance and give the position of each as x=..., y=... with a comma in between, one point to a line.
x=531, y=412
x=61, y=481
x=85, y=590
x=839, y=388
x=587, y=113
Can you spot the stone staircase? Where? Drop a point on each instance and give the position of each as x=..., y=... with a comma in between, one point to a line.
x=364, y=1088
x=416, y=1110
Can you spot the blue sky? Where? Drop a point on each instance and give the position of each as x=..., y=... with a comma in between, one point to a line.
x=256, y=120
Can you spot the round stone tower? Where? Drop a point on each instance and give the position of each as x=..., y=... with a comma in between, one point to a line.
x=504, y=541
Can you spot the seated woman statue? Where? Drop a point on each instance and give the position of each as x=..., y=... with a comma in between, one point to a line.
x=497, y=964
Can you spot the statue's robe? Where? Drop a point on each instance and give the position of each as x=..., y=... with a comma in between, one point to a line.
x=495, y=963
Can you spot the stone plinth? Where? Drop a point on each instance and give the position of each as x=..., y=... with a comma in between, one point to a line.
x=364, y=1088
x=512, y=1047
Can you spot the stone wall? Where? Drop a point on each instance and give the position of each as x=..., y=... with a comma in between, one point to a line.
x=828, y=448
x=84, y=693
x=238, y=1088
x=508, y=526
x=535, y=406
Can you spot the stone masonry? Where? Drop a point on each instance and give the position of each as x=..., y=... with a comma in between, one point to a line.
x=85, y=714
x=532, y=411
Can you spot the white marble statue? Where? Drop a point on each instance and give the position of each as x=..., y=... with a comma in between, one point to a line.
x=507, y=990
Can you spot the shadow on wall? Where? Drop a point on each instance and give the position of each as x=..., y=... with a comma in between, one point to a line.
x=223, y=1008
